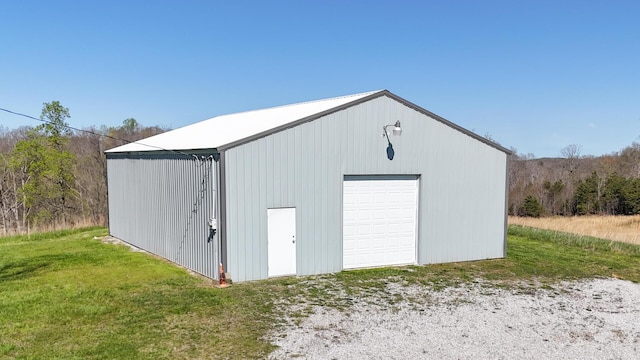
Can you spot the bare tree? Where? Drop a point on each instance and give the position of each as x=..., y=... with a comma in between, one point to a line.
x=630, y=160
x=572, y=154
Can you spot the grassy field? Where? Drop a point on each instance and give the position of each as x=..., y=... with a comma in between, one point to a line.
x=619, y=228
x=67, y=295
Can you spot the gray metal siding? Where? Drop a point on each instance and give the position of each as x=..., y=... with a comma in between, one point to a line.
x=162, y=204
x=462, y=188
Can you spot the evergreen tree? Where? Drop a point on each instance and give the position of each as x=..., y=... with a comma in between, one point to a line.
x=631, y=197
x=586, y=198
x=613, y=201
x=531, y=207
x=554, y=190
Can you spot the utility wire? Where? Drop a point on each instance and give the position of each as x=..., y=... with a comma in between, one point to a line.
x=101, y=135
x=199, y=199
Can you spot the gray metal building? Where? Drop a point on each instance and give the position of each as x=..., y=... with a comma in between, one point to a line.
x=356, y=181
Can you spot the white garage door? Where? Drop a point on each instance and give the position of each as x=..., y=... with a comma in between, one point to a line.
x=379, y=221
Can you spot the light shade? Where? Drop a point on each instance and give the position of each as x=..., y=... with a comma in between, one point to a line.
x=397, y=130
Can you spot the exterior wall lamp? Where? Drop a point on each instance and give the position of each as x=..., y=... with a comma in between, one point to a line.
x=397, y=130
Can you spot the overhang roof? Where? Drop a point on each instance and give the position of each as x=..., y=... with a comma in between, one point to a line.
x=225, y=130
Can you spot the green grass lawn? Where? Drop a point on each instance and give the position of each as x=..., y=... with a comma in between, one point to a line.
x=69, y=296
x=66, y=295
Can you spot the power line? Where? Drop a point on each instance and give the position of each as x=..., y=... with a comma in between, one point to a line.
x=100, y=135
x=196, y=205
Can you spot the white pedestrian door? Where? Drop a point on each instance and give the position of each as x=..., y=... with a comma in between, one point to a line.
x=281, y=236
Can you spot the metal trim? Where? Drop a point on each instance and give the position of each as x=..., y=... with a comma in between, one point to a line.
x=381, y=177
x=447, y=122
x=303, y=120
x=360, y=101
x=222, y=223
x=159, y=154
x=327, y=112
x=506, y=203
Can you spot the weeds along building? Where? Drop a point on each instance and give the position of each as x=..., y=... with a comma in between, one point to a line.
x=356, y=181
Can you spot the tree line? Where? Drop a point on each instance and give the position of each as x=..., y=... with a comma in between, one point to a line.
x=575, y=185
x=52, y=176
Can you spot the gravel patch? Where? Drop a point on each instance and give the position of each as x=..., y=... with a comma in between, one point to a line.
x=113, y=240
x=594, y=319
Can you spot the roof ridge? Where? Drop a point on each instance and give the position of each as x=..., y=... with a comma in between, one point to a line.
x=366, y=93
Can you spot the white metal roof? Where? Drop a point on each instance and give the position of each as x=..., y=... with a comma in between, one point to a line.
x=228, y=129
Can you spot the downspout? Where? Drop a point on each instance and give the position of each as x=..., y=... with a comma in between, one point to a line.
x=217, y=222
x=106, y=183
x=222, y=211
x=506, y=204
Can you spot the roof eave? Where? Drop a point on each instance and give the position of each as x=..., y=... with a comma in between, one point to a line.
x=162, y=153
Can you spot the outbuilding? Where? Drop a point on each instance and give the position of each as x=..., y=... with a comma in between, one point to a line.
x=356, y=181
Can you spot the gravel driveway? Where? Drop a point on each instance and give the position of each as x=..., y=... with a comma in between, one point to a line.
x=595, y=319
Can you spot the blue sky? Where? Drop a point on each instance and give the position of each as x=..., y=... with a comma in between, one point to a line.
x=534, y=75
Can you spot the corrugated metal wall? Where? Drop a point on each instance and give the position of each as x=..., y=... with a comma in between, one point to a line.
x=162, y=203
x=462, y=194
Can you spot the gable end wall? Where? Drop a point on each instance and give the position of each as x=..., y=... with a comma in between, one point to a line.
x=462, y=187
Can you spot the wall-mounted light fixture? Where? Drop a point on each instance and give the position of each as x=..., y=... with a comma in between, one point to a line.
x=397, y=130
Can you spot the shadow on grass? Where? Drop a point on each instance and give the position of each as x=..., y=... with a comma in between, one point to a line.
x=21, y=270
